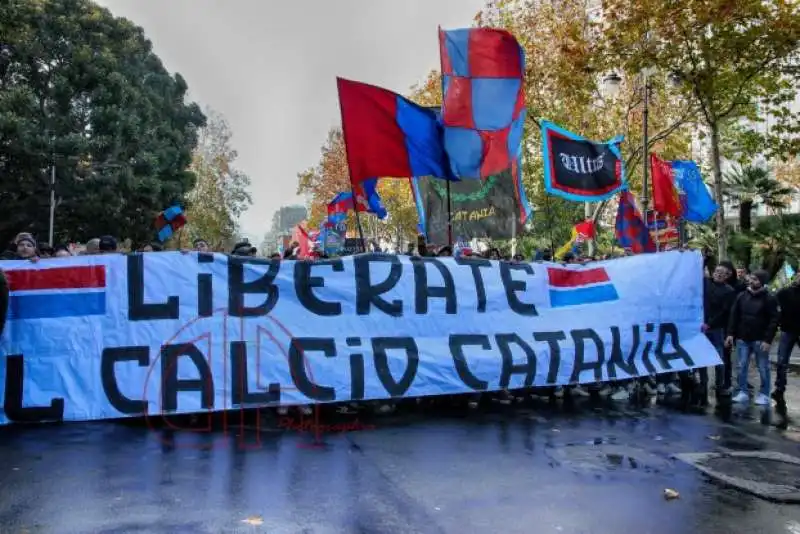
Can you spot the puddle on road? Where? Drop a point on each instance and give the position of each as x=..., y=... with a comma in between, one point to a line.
x=607, y=458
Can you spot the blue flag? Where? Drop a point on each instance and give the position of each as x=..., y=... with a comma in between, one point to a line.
x=374, y=202
x=700, y=207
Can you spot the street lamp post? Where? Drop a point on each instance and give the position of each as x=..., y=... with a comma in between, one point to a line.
x=611, y=86
x=94, y=167
x=52, y=199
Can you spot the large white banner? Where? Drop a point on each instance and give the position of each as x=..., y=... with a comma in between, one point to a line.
x=112, y=336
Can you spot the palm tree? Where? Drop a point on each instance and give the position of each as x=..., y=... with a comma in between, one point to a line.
x=749, y=186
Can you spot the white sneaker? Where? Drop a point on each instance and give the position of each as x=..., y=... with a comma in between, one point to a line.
x=741, y=398
x=385, y=408
x=605, y=391
x=762, y=400
x=306, y=410
x=673, y=389
x=621, y=394
x=661, y=389
x=472, y=405
x=283, y=410
x=559, y=393
x=578, y=391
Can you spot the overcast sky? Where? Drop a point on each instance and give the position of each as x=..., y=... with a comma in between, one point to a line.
x=270, y=67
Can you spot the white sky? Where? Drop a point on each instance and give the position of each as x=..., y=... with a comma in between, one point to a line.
x=270, y=67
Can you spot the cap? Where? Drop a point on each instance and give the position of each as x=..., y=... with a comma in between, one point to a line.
x=26, y=238
x=108, y=244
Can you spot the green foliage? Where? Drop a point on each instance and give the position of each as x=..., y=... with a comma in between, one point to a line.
x=84, y=86
x=734, y=61
x=220, y=193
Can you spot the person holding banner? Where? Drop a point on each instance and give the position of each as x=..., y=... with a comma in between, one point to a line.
x=718, y=299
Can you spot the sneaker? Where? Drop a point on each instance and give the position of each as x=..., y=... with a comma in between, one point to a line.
x=661, y=390
x=648, y=388
x=559, y=393
x=306, y=410
x=741, y=397
x=283, y=410
x=673, y=389
x=622, y=394
x=579, y=391
x=762, y=400
x=605, y=391
x=384, y=408
x=472, y=405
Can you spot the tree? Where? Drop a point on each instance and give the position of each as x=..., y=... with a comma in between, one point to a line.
x=325, y=180
x=331, y=176
x=748, y=187
x=84, y=90
x=564, y=74
x=777, y=239
x=220, y=194
x=729, y=57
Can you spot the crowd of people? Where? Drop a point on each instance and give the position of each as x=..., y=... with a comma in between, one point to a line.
x=742, y=319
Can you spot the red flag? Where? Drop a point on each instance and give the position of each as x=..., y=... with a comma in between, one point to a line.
x=665, y=196
x=585, y=229
x=303, y=239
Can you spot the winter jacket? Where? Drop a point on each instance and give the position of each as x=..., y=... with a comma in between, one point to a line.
x=789, y=302
x=754, y=316
x=717, y=301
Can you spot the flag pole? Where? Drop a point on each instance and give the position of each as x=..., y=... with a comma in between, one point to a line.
x=449, y=198
x=355, y=208
x=550, y=226
x=449, y=217
x=363, y=246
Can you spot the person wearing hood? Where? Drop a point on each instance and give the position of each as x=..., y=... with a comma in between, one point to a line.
x=789, y=305
x=752, y=325
x=244, y=248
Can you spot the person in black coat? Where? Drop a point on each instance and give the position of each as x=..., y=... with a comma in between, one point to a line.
x=718, y=298
x=789, y=304
x=752, y=325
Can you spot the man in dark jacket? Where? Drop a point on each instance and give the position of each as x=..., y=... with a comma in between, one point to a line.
x=718, y=298
x=789, y=303
x=753, y=323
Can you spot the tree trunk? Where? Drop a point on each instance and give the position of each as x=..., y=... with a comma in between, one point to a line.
x=716, y=164
x=746, y=224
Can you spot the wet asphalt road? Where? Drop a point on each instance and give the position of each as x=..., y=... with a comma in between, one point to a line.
x=538, y=468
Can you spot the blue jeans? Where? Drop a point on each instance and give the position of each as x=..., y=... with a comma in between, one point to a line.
x=787, y=343
x=743, y=351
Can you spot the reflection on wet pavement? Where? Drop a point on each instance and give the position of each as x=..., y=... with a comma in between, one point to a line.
x=587, y=467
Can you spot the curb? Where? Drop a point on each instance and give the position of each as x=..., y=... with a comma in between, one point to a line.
x=765, y=490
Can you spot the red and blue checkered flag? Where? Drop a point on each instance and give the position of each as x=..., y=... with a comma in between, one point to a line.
x=169, y=221
x=632, y=234
x=483, y=100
